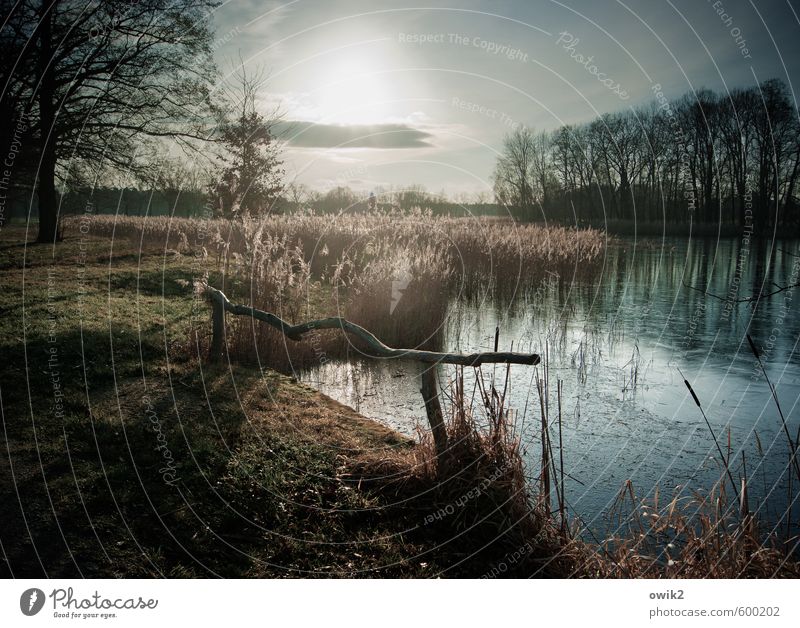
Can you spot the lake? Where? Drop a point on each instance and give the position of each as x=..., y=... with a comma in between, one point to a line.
x=619, y=344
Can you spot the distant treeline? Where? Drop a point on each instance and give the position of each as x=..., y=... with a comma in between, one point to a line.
x=193, y=201
x=111, y=200
x=343, y=198
x=713, y=158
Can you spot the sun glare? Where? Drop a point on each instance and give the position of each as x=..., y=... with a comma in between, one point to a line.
x=354, y=90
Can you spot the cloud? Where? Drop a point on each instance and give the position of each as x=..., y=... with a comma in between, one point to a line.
x=304, y=134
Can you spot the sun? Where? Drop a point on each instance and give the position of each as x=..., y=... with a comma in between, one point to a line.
x=355, y=90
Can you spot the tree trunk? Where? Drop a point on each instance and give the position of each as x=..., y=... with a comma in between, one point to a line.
x=48, y=198
x=789, y=194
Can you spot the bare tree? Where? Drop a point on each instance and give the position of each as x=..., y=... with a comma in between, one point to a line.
x=97, y=80
x=775, y=140
x=250, y=180
x=337, y=199
x=298, y=195
x=179, y=184
x=513, y=172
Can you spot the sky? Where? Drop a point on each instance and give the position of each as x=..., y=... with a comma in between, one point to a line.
x=378, y=93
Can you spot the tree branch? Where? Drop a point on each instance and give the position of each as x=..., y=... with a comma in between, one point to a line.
x=296, y=333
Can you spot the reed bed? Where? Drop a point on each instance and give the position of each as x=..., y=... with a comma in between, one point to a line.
x=501, y=524
x=503, y=252
x=391, y=272
x=700, y=535
x=691, y=534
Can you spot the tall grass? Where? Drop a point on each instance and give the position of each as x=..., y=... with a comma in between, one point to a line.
x=497, y=510
x=700, y=535
x=504, y=251
x=391, y=272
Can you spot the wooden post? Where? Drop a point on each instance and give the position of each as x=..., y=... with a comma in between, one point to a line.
x=430, y=394
x=218, y=330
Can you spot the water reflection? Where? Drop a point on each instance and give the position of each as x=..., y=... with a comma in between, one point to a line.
x=618, y=344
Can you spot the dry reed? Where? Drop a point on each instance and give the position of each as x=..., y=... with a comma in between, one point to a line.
x=391, y=272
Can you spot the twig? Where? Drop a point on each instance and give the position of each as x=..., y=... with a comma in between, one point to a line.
x=761, y=295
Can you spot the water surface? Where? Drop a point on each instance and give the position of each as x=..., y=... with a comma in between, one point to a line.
x=620, y=344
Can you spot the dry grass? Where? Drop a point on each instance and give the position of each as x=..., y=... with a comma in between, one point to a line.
x=474, y=501
x=711, y=534
x=391, y=272
x=459, y=250
x=694, y=536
